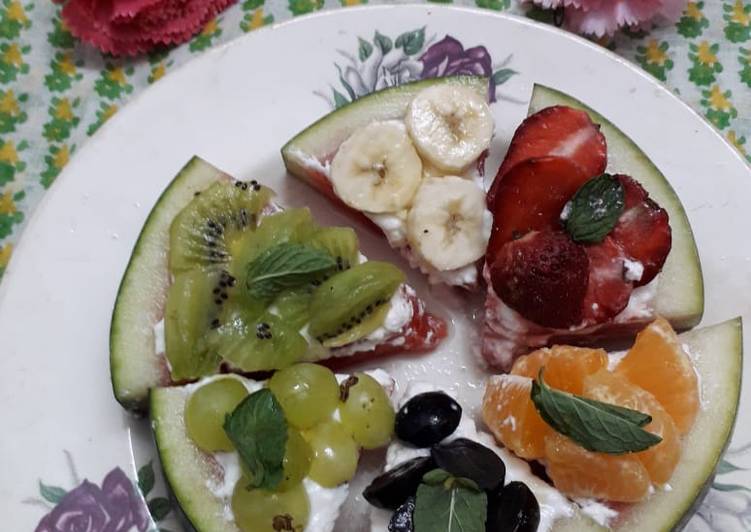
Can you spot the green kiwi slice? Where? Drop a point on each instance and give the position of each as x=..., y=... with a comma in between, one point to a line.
x=261, y=344
x=341, y=303
x=339, y=242
x=194, y=305
x=203, y=233
x=367, y=325
x=293, y=307
x=291, y=225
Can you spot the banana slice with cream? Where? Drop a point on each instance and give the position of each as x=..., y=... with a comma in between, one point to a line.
x=451, y=125
x=377, y=169
x=445, y=225
x=401, y=173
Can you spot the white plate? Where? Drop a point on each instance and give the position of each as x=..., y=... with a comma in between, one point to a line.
x=235, y=106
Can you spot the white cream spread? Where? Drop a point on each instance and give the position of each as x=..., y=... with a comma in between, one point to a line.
x=634, y=270
x=507, y=334
x=553, y=504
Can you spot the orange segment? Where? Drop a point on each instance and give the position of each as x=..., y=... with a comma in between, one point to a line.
x=565, y=366
x=659, y=460
x=511, y=416
x=581, y=473
x=658, y=364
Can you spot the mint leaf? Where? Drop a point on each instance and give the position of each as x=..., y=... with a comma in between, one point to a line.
x=436, y=476
x=594, y=210
x=258, y=430
x=450, y=507
x=51, y=494
x=146, y=479
x=596, y=426
x=633, y=416
x=285, y=266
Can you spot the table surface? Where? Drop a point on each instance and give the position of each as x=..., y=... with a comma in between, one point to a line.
x=55, y=93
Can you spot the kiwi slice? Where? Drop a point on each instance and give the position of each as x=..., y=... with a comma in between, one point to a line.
x=293, y=307
x=339, y=242
x=203, y=233
x=366, y=325
x=194, y=305
x=261, y=344
x=291, y=225
x=345, y=300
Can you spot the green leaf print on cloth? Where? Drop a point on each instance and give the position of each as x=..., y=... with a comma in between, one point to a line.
x=693, y=22
x=654, y=58
x=705, y=63
x=738, y=18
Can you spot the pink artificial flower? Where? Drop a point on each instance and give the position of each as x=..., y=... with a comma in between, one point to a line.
x=605, y=17
x=130, y=27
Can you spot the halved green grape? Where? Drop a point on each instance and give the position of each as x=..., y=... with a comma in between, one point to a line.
x=367, y=412
x=307, y=392
x=206, y=409
x=297, y=458
x=270, y=511
x=335, y=454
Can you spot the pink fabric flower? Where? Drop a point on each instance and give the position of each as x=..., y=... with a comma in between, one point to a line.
x=605, y=17
x=130, y=27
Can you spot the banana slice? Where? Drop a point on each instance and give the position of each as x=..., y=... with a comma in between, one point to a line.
x=377, y=169
x=451, y=126
x=446, y=225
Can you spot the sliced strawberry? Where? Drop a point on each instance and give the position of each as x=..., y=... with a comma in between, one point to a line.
x=643, y=230
x=608, y=291
x=543, y=276
x=559, y=131
x=531, y=196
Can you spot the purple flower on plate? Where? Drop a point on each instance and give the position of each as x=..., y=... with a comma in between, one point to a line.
x=448, y=57
x=115, y=507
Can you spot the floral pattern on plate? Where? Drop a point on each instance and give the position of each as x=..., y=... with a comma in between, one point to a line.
x=116, y=505
x=384, y=61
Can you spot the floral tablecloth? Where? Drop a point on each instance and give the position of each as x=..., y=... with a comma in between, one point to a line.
x=55, y=93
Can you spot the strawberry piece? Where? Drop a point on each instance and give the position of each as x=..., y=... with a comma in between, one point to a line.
x=531, y=196
x=608, y=291
x=544, y=277
x=643, y=230
x=559, y=131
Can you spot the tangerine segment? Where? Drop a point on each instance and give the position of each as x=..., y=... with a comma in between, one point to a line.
x=509, y=413
x=659, y=460
x=658, y=364
x=565, y=366
x=580, y=473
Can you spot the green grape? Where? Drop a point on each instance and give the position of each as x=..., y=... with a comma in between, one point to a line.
x=206, y=409
x=367, y=412
x=307, y=392
x=297, y=458
x=335, y=454
x=259, y=510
